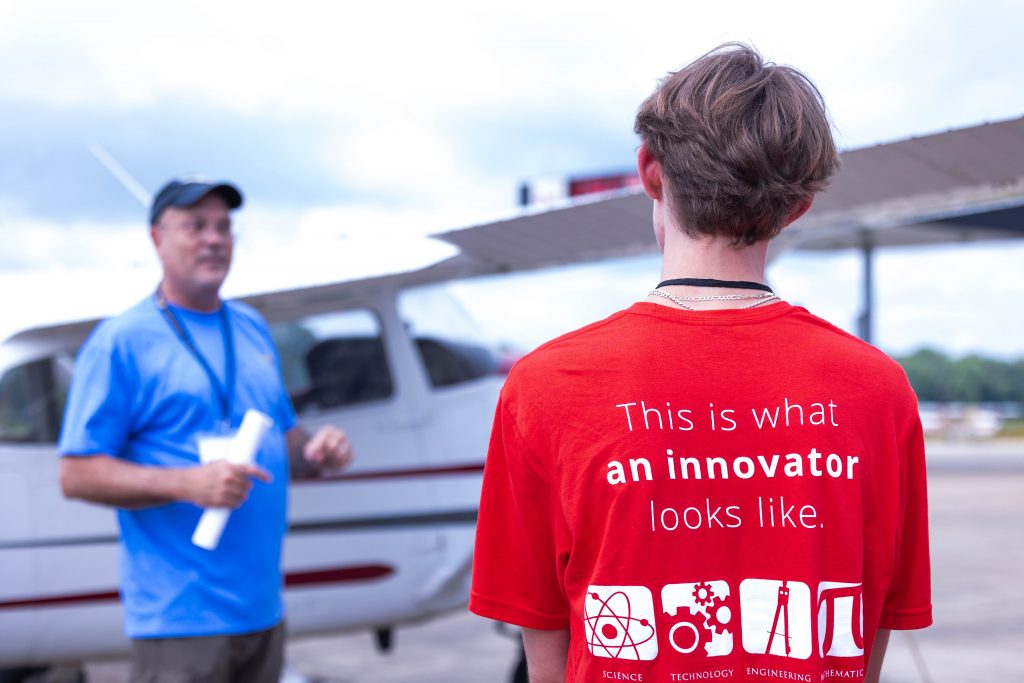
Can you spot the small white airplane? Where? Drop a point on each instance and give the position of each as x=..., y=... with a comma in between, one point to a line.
x=380, y=354
x=389, y=541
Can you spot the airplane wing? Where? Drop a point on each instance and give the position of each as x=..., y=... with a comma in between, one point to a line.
x=960, y=185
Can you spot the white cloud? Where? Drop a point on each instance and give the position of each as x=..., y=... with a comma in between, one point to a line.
x=398, y=155
x=433, y=58
x=37, y=245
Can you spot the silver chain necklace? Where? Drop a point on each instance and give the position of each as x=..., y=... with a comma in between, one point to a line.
x=761, y=299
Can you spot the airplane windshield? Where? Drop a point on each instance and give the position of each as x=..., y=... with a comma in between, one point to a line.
x=451, y=346
x=433, y=311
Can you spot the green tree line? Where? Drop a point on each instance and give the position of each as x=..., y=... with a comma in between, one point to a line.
x=972, y=379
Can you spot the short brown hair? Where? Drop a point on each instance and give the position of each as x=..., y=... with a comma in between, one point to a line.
x=741, y=142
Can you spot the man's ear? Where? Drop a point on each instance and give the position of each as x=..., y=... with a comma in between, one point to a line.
x=155, y=235
x=798, y=211
x=649, y=169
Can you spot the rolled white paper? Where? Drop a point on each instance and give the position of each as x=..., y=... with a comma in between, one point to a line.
x=240, y=451
x=211, y=526
x=214, y=448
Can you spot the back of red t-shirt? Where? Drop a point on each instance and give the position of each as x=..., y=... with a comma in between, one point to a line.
x=716, y=495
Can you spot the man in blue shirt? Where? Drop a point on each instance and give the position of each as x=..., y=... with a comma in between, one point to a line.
x=154, y=386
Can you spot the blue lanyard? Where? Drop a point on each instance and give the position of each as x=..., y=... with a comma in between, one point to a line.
x=225, y=392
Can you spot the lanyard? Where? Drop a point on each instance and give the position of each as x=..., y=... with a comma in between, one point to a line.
x=225, y=392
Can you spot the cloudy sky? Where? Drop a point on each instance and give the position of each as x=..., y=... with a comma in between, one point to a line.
x=347, y=121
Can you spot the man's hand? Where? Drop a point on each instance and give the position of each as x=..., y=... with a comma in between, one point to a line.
x=221, y=484
x=329, y=448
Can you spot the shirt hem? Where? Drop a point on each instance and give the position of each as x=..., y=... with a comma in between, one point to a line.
x=907, y=620
x=195, y=632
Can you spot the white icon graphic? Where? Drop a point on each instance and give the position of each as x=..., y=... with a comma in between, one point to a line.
x=840, y=619
x=619, y=622
x=704, y=617
x=776, y=617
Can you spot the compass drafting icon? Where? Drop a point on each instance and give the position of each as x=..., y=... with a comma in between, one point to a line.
x=781, y=609
x=619, y=622
x=776, y=616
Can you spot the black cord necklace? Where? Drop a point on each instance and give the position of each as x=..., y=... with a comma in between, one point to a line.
x=709, y=282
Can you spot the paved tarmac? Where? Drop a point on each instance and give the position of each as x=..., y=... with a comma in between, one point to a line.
x=977, y=532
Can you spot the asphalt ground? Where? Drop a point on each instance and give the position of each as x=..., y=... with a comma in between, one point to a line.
x=976, y=494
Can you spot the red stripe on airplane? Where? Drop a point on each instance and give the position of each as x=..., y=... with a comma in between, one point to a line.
x=308, y=578
x=338, y=575
x=60, y=600
x=395, y=474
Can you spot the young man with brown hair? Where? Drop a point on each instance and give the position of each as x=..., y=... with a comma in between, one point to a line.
x=712, y=484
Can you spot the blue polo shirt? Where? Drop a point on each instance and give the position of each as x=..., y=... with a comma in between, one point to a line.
x=138, y=393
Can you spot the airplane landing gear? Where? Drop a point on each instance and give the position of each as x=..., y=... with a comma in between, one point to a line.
x=384, y=637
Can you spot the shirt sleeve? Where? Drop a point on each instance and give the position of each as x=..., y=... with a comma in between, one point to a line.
x=97, y=418
x=908, y=602
x=517, y=565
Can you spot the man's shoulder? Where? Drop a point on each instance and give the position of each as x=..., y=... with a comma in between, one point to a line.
x=127, y=324
x=835, y=353
x=246, y=312
x=571, y=343
x=840, y=343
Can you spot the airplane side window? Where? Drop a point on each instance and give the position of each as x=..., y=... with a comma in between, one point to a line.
x=32, y=399
x=333, y=360
x=451, y=347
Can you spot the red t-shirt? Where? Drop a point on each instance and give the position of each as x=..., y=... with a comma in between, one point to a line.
x=718, y=495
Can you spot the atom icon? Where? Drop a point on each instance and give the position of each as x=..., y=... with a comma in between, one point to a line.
x=613, y=630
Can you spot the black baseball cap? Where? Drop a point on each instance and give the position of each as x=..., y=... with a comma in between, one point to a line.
x=184, y=192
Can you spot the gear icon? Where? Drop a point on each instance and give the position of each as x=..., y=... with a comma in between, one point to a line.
x=719, y=644
x=703, y=593
x=692, y=632
x=719, y=614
